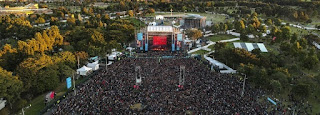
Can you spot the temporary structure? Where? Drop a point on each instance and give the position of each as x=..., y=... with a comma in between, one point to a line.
x=83, y=70
x=94, y=65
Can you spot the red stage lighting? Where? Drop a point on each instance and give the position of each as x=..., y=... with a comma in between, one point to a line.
x=159, y=40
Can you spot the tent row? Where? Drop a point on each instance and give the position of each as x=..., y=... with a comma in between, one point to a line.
x=85, y=70
x=250, y=46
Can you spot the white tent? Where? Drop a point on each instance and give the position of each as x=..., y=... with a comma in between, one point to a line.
x=94, y=65
x=83, y=70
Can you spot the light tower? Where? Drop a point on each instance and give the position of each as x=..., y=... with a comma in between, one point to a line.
x=182, y=75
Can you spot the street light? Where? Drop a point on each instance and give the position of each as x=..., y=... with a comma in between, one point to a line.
x=74, y=84
x=244, y=84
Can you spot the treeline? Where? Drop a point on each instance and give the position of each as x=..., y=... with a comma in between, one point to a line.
x=36, y=68
x=275, y=70
x=38, y=60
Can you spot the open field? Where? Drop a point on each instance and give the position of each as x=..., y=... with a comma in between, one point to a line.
x=200, y=52
x=219, y=37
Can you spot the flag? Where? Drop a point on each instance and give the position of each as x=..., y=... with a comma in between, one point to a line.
x=52, y=95
x=274, y=38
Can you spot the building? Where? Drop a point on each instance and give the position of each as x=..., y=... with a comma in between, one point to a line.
x=24, y=11
x=194, y=21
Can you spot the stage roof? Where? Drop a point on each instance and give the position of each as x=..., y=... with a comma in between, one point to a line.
x=160, y=29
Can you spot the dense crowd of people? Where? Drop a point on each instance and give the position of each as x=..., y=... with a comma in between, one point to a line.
x=204, y=91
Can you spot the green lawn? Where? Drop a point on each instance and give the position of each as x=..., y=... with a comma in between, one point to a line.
x=219, y=37
x=211, y=47
x=37, y=105
x=299, y=31
x=136, y=22
x=200, y=52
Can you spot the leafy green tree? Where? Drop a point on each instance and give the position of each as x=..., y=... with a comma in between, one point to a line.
x=303, y=42
x=215, y=28
x=311, y=61
x=269, y=22
x=194, y=34
x=286, y=32
x=29, y=68
x=276, y=85
x=250, y=29
x=184, y=8
x=10, y=87
x=294, y=38
x=277, y=22
x=243, y=36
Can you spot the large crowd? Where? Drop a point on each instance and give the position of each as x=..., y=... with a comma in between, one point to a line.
x=112, y=91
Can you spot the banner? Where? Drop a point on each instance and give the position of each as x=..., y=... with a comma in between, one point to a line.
x=173, y=47
x=140, y=36
x=179, y=37
x=269, y=99
x=68, y=82
x=146, y=47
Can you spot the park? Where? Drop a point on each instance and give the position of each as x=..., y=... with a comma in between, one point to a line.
x=159, y=57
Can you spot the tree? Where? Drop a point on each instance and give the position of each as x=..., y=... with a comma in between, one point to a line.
x=240, y=26
x=151, y=11
x=276, y=85
x=122, y=5
x=277, y=22
x=40, y=20
x=263, y=29
x=195, y=34
x=303, y=42
x=294, y=38
x=184, y=8
x=215, y=28
x=84, y=10
x=28, y=70
x=311, y=61
x=10, y=87
x=269, y=22
x=130, y=13
x=286, y=32
x=250, y=29
x=71, y=21
x=243, y=36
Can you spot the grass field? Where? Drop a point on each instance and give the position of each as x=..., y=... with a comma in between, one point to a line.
x=300, y=32
x=219, y=37
x=200, y=52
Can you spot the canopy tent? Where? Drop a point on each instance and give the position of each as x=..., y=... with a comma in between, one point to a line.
x=96, y=58
x=250, y=46
x=83, y=70
x=94, y=65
